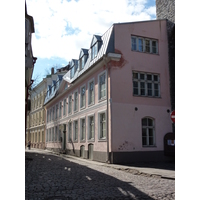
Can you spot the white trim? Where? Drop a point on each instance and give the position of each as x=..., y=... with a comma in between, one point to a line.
x=91, y=80
x=77, y=101
x=105, y=97
x=99, y=113
x=84, y=85
x=88, y=129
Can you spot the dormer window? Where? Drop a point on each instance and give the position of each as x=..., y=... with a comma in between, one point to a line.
x=95, y=46
x=49, y=89
x=73, y=67
x=83, y=58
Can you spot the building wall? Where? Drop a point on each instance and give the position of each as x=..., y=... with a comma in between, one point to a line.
x=73, y=147
x=165, y=9
x=126, y=127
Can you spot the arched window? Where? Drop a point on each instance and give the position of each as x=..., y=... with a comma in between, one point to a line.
x=148, y=131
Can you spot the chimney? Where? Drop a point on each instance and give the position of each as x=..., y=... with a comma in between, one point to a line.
x=52, y=70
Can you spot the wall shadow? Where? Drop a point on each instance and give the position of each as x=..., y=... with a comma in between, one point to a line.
x=52, y=177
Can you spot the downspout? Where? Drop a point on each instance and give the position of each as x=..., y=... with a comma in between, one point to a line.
x=107, y=120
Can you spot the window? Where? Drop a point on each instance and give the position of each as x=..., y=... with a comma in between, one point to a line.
x=82, y=129
x=82, y=62
x=47, y=136
x=75, y=101
x=144, y=45
x=60, y=109
x=102, y=86
x=52, y=135
x=145, y=84
x=64, y=107
x=94, y=50
x=50, y=116
x=47, y=116
x=70, y=105
x=69, y=131
x=76, y=130
x=148, y=132
x=91, y=92
x=56, y=134
x=53, y=113
x=59, y=135
x=82, y=97
x=102, y=126
x=91, y=128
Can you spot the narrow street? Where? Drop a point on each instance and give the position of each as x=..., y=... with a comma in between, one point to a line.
x=55, y=177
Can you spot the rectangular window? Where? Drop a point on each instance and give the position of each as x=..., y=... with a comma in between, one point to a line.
x=56, y=112
x=56, y=134
x=83, y=129
x=94, y=50
x=49, y=134
x=145, y=84
x=148, y=135
x=91, y=92
x=102, y=126
x=60, y=109
x=76, y=130
x=70, y=132
x=50, y=116
x=144, y=45
x=59, y=135
x=75, y=101
x=52, y=135
x=70, y=105
x=53, y=113
x=91, y=128
x=102, y=86
x=82, y=97
x=64, y=107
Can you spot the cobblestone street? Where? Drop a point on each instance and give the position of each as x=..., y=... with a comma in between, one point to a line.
x=52, y=177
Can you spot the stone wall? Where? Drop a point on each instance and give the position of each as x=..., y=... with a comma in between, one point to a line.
x=165, y=9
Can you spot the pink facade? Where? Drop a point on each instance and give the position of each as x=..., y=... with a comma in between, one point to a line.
x=131, y=97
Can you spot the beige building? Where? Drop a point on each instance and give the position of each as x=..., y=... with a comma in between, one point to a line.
x=36, y=118
x=35, y=129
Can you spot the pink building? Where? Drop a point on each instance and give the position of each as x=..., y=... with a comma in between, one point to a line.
x=114, y=103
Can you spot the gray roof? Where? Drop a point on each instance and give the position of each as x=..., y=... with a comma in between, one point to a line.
x=107, y=46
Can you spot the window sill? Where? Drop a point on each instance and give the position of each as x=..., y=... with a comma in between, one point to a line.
x=82, y=108
x=102, y=99
x=91, y=104
x=82, y=141
x=91, y=140
x=153, y=146
x=102, y=140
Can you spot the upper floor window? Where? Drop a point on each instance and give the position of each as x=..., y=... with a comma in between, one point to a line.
x=73, y=67
x=64, y=107
x=146, y=84
x=95, y=46
x=144, y=45
x=60, y=109
x=102, y=126
x=82, y=97
x=102, y=85
x=75, y=101
x=70, y=104
x=91, y=92
x=53, y=113
x=148, y=132
x=76, y=130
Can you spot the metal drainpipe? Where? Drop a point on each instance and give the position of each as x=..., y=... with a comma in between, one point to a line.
x=107, y=120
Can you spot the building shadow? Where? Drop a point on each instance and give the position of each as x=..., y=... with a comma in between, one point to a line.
x=52, y=177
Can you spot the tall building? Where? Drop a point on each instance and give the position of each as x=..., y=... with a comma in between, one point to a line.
x=29, y=59
x=113, y=105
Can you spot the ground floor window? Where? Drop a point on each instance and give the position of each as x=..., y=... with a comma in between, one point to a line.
x=102, y=125
x=148, y=132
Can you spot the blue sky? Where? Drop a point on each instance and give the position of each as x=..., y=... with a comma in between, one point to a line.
x=63, y=27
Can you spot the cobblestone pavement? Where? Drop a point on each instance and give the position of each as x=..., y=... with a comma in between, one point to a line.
x=51, y=177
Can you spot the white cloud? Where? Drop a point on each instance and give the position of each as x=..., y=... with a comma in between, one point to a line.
x=89, y=17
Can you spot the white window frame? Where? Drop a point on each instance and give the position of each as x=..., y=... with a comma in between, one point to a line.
x=94, y=50
x=147, y=127
x=64, y=106
x=56, y=133
x=81, y=98
x=75, y=135
x=53, y=113
x=144, y=44
x=70, y=104
x=70, y=131
x=99, y=126
x=60, y=109
x=99, y=96
x=76, y=103
x=145, y=82
x=89, y=82
x=81, y=129
x=89, y=128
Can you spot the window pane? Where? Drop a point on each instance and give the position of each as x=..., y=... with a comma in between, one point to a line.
x=144, y=141
x=142, y=88
x=155, y=77
x=150, y=122
x=140, y=44
x=151, y=141
x=149, y=86
x=142, y=76
x=150, y=132
x=154, y=46
x=144, y=132
x=147, y=46
x=135, y=75
x=149, y=77
x=134, y=44
x=144, y=122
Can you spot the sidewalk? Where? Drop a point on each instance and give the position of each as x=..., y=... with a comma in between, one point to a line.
x=150, y=171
